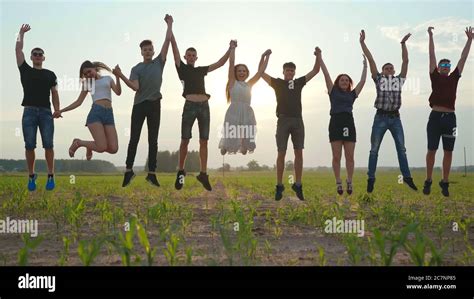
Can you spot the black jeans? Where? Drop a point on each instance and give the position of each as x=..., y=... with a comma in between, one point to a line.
x=151, y=110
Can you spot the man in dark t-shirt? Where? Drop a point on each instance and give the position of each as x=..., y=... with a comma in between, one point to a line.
x=195, y=107
x=442, y=120
x=290, y=120
x=37, y=84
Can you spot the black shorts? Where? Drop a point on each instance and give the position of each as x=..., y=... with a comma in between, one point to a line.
x=441, y=125
x=342, y=127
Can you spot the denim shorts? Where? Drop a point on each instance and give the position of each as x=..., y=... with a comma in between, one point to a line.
x=34, y=118
x=191, y=112
x=100, y=114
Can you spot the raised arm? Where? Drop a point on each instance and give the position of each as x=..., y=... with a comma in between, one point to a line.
x=467, y=47
x=20, y=56
x=431, y=50
x=221, y=61
x=373, y=66
x=404, y=70
x=133, y=84
x=317, y=65
x=231, y=66
x=327, y=77
x=116, y=87
x=363, y=77
x=262, y=66
x=174, y=46
x=169, y=33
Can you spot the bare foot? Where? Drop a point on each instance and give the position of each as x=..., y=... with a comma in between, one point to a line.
x=74, y=146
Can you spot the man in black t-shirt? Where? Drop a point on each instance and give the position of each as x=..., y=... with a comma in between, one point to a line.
x=195, y=107
x=37, y=84
x=290, y=120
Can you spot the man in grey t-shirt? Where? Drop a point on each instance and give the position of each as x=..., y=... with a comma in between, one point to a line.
x=145, y=79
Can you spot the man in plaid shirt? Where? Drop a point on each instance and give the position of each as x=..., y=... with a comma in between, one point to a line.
x=388, y=102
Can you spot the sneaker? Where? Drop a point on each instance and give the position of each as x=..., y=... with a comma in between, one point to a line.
x=32, y=182
x=151, y=178
x=50, y=183
x=298, y=190
x=444, y=188
x=370, y=185
x=349, y=187
x=339, y=189
x=178, y=184
x=127, y=178
x=427, y=187
x=410, y=183
x=203, y=178
x=279, y=192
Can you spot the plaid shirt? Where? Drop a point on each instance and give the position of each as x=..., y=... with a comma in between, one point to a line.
x=389, y=92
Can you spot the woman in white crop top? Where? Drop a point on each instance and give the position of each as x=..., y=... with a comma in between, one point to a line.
x=100, y=119
x=239, y=129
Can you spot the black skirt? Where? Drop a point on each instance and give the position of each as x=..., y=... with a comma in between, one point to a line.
x=342, y=127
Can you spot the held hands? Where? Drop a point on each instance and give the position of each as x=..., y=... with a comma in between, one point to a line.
x=317, y=51
x=405, y=38
x=24, y=28
x=267, y=53
x=168, y=19
x=233, y=44
x=430, y=30
x=362, y=36
x=469, y=32
x=57, y=114
x=117, y=71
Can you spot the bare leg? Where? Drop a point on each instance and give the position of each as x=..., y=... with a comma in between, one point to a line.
x=203, y=154
x=298, y=165
x=280, y=166
x=447, y=159
x=183, y=152
x=336, y=147
x=430, y=160
x=349, y=148
x=49, y=155
x=30, y=160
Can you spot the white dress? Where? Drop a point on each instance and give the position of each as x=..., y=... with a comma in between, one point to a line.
x=239, y=129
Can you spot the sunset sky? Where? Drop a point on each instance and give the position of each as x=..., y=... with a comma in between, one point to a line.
x=110, y=31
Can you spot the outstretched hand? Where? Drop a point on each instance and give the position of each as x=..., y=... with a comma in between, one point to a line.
x=25, y=28
x=362, y=36
x=168, y=19
x=469, y=32
x=405, y=38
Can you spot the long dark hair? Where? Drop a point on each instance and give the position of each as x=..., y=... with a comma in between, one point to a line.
x=336, y=82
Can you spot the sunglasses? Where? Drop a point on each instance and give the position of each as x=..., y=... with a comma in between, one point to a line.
x=35, y=54
x=445, y=65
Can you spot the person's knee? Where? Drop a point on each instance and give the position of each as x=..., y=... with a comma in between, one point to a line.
x=448, y=154
x=431, y=153
x=203, y=143
x=101, y=147
x=184, y=142
x=112, y=149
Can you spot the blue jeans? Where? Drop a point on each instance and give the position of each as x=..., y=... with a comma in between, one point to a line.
x=34, y=118
x=381, y=124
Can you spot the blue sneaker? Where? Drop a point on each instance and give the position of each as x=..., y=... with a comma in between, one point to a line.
x=32, y=182
x=50, y=183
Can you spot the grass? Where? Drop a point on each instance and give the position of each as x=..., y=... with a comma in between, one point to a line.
x=238, y=223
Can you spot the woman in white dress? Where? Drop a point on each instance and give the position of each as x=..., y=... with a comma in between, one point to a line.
x=238, y=132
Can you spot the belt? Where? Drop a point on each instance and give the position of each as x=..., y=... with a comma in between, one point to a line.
x=394, y=113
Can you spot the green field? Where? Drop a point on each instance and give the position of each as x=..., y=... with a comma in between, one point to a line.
x=238, y=223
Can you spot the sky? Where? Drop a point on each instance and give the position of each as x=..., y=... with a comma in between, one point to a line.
x=110, y=31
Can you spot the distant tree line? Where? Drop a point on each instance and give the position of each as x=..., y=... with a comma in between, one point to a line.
x=94, y=166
